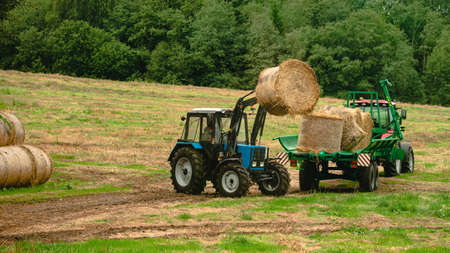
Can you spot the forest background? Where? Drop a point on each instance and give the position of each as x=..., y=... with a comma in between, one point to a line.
x=351, y=44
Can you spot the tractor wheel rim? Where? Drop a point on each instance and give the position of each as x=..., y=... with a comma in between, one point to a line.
x=230, y=181
x=183, y=171
x=272, y=185
x=398, y=166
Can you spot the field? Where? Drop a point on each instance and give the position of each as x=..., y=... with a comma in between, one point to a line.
x=111, y=189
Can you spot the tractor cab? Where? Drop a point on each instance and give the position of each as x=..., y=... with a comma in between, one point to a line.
x=209, y=125
x=385, y=113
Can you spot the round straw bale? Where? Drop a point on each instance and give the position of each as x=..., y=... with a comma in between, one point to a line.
x=42, y=164
x=367, y=126
x=3, y=170
x=18, y=165
x=297, y=86
x=266, y=93
x=15, y=129
x=4, y=132
x=289, y=88
x=320, y=131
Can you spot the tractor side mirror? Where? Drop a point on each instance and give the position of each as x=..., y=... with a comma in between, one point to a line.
x=183, y=118
x=403, y=114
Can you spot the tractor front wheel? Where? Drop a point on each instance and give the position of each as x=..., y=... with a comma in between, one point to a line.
x=368, y=178
x=187, y=172
x=278, y=184
x=232, y=180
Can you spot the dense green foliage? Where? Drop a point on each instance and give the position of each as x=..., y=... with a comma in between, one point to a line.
x=351, y=44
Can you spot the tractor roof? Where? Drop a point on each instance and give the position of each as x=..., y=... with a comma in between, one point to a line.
x=210, y=110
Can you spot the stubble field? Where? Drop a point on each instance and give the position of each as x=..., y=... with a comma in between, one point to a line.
x=111, y=188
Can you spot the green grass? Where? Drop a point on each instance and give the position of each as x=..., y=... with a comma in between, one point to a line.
x=356, y=239
x=444, y=176
x=231, y=243
x=247, y=243
x=52, y=190
x=184, y=216
x=362, y=204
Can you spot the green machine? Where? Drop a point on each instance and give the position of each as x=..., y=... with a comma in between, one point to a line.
x=386, y=147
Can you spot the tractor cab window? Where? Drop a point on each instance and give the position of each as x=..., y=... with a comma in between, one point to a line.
x=207, y=128
x=243, y=134
x=193, y=129
x=199, y=128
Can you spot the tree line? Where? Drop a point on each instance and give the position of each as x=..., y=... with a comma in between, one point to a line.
x=351, y=44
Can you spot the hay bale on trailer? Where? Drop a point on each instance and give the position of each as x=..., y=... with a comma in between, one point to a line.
x=289, y=88
x=352, y=132
x=367, y=126
x=320, y=131
x=24, y=166
x=12, y=131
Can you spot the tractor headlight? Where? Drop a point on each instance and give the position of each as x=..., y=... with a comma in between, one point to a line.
x=253, y=164
x=262, y=164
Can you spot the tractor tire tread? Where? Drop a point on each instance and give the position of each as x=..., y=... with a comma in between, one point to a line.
x=198, y=181
x=284, y=181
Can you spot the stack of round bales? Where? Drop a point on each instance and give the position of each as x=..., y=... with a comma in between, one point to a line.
x=358, y=125
x=290, y=88
x=20, y=165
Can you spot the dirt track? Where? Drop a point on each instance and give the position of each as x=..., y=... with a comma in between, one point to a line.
x=121, y=215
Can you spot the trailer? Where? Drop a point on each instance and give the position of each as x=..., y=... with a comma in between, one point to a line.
x=386, y=147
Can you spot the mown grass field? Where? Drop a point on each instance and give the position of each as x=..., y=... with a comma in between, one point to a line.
x=109, y=142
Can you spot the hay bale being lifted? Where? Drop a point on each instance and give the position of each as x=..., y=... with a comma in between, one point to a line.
x=289, y=88
x=23, y=166
x=320, y=131
x=12, y=131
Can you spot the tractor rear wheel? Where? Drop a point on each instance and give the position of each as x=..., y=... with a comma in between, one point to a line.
x=232, y=180
x=279, y=184
x=187, y=173
x=307, y=176
x=392, y=169
x=368, y=178
x=408, y=162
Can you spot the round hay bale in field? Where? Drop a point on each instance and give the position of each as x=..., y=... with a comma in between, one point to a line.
x=289, y=88
x=14, y=129
x=18, y=164
x=367, y=125
x=320, y=131
x=4, y=132
x=42, y=164
x=352, y=133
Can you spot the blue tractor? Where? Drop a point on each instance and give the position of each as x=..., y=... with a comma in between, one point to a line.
x=216, y=145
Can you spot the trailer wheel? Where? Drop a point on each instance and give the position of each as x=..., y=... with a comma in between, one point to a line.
x=392, y=169
x=307, y=176
x=408, y=162
x=279, y=184
x=232, y=180
x=187, y=171
x=368, y=178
